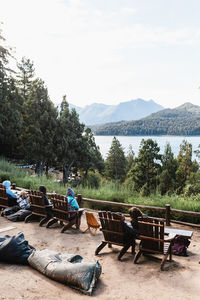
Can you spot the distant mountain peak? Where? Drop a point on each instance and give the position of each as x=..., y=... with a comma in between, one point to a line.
x=182, y=120
x=98, y=113
x=189, y=107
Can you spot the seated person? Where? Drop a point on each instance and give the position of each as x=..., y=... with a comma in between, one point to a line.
x=48, y=205
x=72, y=203
x=135, y=213
x=131, y=229
x=12, y=198
x=23, y=200
x=22, y=203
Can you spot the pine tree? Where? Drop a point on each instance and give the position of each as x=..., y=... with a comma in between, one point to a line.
x=25, y=76
x=185, y=165
x=116, y=161
x=40, y=120
x=10, y=101
x=168, y=171
x=69, y=138
x=91, y=158
x=146, y=169
x=130, y=159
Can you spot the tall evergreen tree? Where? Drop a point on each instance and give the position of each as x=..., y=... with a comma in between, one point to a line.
x=146, y=169
x=40, y=120
x=25, y=76
x=91, y=158
x=185, y=165
x=69, y=138
x=116, y=161
x=130, y=159
x=10, y=101
x=168, y=171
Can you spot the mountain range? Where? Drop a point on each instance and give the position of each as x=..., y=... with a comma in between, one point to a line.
x=182, y=120
x=98, y=113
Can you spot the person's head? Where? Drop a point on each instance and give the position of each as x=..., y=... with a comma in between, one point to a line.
x=42, y=189
x=7, y=184
x=23, y=194
x=135, y=212
x=70, y=193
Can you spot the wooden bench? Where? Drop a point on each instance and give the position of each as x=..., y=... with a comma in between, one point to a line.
x=153, y=241
x=61, y=213
x=38, y=208
x=112, y=228
x=3, y=197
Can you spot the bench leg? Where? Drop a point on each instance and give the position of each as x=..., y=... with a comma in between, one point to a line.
x=44, y=220
x=100, y=247
x=123, y=251
x=69, y=225
x=137, y=256
x=51, y=222
x=31, y=217
x=86, y=230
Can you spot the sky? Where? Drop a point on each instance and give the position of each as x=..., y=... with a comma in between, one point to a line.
x=109, y=51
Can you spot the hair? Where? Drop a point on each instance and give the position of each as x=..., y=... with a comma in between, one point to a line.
x=43, y=189
x=23, y=193
x=135, y=213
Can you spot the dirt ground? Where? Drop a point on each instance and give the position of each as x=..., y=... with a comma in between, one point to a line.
x=119, y=280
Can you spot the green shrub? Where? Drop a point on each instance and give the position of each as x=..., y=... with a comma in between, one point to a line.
x=192, y=189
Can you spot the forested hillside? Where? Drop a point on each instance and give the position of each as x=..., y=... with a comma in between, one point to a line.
x=183, y=120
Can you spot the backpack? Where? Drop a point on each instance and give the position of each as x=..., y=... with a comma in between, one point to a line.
x=180, y=246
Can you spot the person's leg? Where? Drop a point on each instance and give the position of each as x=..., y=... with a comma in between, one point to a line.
x=9, y=210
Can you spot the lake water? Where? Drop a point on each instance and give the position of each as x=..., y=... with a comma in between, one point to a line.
x=104, y=143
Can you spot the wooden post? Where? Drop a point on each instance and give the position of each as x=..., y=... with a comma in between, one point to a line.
x=79, y=200
x=167, y=214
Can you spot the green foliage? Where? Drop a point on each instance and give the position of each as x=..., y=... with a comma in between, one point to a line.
x=192, y=189
x=91, y=181
x=25, y=76
x=91, y=158
x=69, y=139
x=40, y=120
x=167, y=177
x=10, y=122
x=146, y=168
x=130, y=159
x=116, y=161
x=185, y=165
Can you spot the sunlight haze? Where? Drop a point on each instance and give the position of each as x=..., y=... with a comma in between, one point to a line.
x=109, y=51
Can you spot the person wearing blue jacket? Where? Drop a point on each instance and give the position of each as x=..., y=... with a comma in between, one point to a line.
x=72, y=203
x=12, y=198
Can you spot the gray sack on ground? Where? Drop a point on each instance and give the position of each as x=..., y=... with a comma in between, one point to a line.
x=15, y=249
x=69, y=269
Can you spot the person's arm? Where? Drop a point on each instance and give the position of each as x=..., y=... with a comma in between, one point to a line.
x=11, y=194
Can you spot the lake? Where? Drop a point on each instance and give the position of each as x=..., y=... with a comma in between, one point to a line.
x=104, y=143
